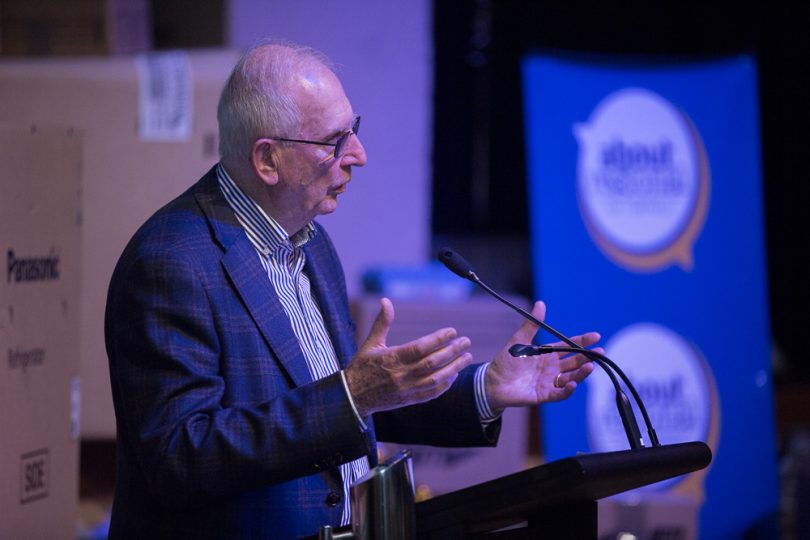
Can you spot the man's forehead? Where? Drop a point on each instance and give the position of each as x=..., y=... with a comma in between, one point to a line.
x=315, y=78
x=321, y=99
x=312, y=81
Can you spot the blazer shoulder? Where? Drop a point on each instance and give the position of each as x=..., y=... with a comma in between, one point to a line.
x=179, y=229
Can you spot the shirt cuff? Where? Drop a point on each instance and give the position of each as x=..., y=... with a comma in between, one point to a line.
x=485, y=412
x=363, y=425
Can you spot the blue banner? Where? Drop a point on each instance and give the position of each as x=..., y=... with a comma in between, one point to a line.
x=646, y=221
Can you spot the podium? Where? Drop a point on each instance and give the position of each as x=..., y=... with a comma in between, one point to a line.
x=556, y=500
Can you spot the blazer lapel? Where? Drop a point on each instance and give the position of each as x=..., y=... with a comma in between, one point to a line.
x=326, y=288
x=241, y=263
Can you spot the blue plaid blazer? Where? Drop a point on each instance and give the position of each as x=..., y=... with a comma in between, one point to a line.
x=221, y=433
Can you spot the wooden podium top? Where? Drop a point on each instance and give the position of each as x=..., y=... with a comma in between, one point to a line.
x=579, y=479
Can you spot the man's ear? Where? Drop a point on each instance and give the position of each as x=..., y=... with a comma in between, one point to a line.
x=263, y=157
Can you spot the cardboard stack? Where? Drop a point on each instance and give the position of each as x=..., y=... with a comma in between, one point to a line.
x=149, y=131
x=40, y=219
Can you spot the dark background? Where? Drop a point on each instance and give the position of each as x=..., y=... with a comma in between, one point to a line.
x=479, y=180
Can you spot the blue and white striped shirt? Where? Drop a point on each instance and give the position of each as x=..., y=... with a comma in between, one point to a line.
x=283, y=259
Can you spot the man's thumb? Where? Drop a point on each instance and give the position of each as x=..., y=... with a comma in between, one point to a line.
x=379, y=330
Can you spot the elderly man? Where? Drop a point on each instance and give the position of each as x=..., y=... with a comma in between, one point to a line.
x=244, y=408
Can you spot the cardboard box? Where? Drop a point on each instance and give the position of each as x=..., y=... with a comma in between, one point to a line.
x=131, y=164
x=74, y=27
x=39, y=329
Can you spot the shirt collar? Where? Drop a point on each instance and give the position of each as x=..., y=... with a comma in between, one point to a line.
x=264, y=232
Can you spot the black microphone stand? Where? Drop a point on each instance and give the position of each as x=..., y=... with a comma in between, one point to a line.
x=459, y=266
x=622, y=402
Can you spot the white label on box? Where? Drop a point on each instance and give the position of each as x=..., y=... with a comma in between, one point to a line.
x=165, y=96
x=35, y=469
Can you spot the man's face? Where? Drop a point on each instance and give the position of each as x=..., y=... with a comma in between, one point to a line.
x=310, y=177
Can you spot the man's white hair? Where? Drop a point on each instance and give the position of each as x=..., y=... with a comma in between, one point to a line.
x=257, y=100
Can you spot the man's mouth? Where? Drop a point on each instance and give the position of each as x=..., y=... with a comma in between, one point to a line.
x=342, y=187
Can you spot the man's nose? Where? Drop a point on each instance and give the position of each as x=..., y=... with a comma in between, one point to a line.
x=355, y=153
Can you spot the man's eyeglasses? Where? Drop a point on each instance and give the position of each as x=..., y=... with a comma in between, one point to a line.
x=339, y=144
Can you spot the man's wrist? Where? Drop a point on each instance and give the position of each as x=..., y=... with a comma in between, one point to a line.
x=360, y=419
x=485, y=410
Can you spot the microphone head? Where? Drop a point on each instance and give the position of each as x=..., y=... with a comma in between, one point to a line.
x=455, y=263
x=519, y=350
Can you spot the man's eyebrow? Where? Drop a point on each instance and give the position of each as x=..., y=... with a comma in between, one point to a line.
x=335, y=134
x=338, y=132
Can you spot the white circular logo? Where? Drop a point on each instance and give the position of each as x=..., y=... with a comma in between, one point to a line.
x=670, y=375
x=642, y=180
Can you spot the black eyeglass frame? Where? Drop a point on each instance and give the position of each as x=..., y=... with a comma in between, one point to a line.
x=338, y=144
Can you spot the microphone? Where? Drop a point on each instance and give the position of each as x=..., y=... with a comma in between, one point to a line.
x=456, y=263
x=459, y=266
x=622, y=402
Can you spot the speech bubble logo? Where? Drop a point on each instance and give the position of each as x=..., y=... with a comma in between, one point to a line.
x=642, y=180
x=674, y=380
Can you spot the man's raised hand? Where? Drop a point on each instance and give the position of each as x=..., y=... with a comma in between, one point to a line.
x=383, y=377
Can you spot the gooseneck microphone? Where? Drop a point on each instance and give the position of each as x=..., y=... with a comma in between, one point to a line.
x=622, y=403
x=459, y=266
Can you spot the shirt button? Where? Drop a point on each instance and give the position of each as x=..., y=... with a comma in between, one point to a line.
x=333, y=498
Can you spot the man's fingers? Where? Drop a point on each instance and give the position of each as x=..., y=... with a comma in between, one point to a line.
x=574, y=361
x=433, y=393
x=528, y=329
x=425, y=345
x=567, y=381
x=573, y=369
x=539, y=310
x=584, y=340
x=382, y=323
x=567, y=390
x=576, y=375
x=439, y=380
x=442, y=356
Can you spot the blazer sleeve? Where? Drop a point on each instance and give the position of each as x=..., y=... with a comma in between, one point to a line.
x=165, y=339
x=451, y=420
